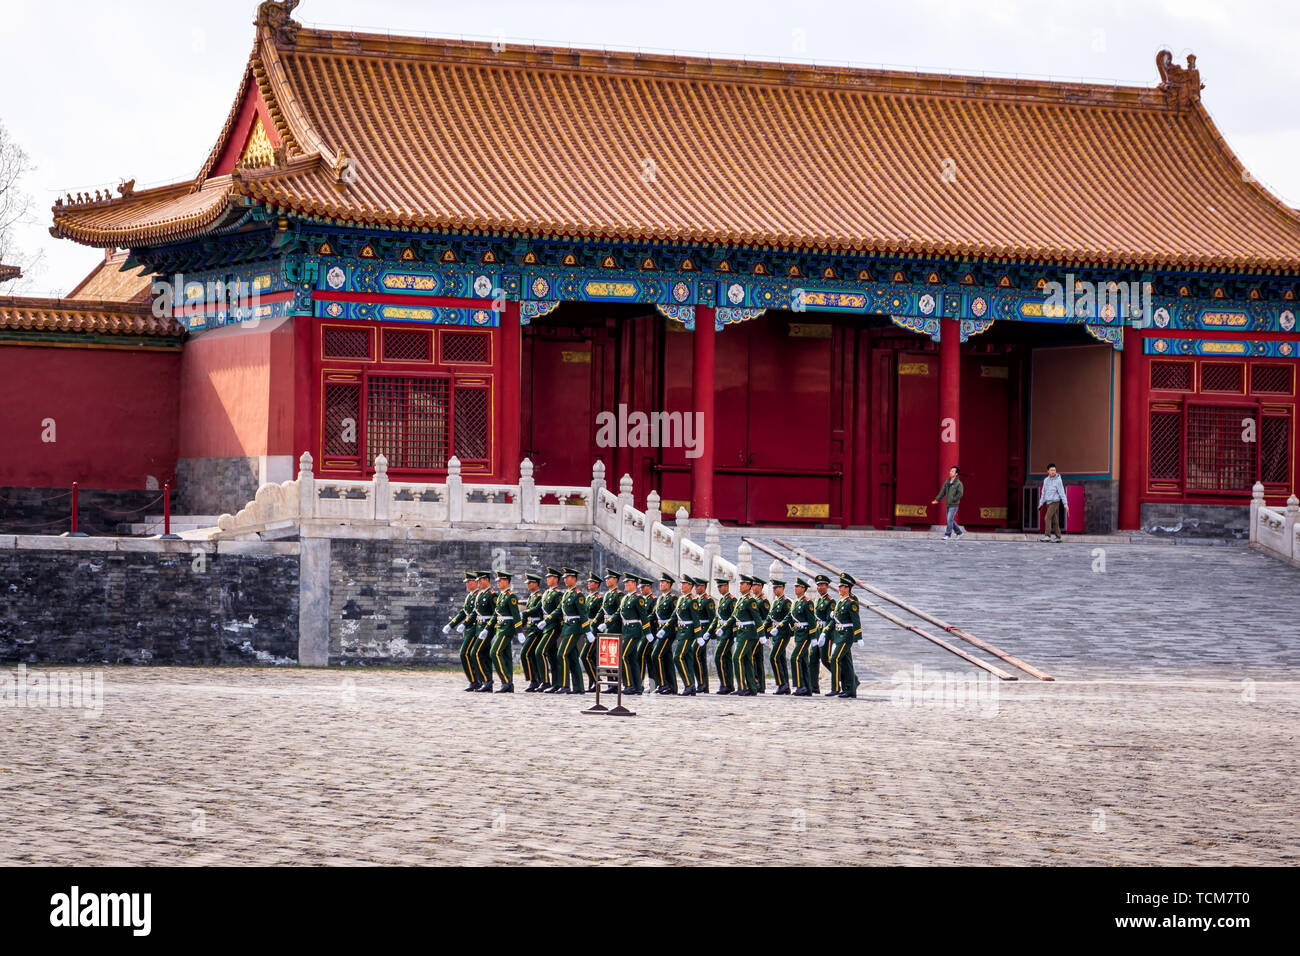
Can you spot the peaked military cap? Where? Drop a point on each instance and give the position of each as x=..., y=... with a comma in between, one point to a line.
x=570, y=572
x=503, y=574
x=667, y=577
x=846, y=581
x=611, y=573
x=822, y=579
x=552, y=573
x=800, y=583
x=485, y=574
x=593, y=576
x=644, y=582
x=722, y=580
x=777, y=583
x=756, y=580
x=471, y=575
x=532, y=576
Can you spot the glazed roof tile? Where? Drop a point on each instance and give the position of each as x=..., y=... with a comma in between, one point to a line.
x=552, y=142
x=65, y=315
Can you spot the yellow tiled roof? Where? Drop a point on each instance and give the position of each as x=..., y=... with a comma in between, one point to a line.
x=381, y=130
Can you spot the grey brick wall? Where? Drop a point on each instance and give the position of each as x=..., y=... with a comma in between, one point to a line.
x=1196, y=521
x=390, y=598
x=213, y=486
x=147, y=607
x=99, y=511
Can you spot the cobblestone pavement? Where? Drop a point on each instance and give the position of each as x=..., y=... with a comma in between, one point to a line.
x=1156, y=612
x=196, y=766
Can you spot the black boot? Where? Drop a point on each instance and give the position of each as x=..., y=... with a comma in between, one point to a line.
x=724, y=690
x=485, y=688
x=803, y=692
x=506, y=689
x=472, y=687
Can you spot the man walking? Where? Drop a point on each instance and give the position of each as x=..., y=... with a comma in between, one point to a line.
x=505, y=625
x=779, y=627
x=684, y=630
x=823, y=609
x=848, y=631
x=950, y=494
x=705, y=612
x=631, y=619
x=465, y=616
x=547, y=666
x=573, y=635
x=532, y=630
x=802, y=620
x=746, y=626
x=1052, y=497
x=724, y=626
x=485, y=609
x=595, y=601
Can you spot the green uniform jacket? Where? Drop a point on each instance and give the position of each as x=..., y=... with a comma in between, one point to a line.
x=848, y=625
x=705, y=613
x=506, y=619
x=725, y=621
x=573, y=609
x=802, y=613
x=551, y=613
x=824, y=608
x=533, y=610
x=593, y=600
x=466, y=610
x=748, y=613
x=609, y=619
x=778, y=618
x=631, y=613
x=664, y=608
x=687, y=615
x=485, y=607
x=647, y=611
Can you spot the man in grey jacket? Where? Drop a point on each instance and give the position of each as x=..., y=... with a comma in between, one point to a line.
x=950, y=494
x=1052, y=497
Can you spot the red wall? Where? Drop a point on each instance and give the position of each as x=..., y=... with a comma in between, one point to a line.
x=115, y=415
x=236, y=392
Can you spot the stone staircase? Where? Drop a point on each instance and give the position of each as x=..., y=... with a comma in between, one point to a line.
x=153, y=524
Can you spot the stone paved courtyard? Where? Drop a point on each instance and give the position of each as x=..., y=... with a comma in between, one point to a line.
x=1169, y=737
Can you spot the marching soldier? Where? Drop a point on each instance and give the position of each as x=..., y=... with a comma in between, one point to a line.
x=746, y=623
x=594, y=601
x=645, y=589
x=823, y=607
x=764, y=609
x=573, y=634
x=779, y=627
x=684, y=631
x=463, y=617
x=485, y=606
x=532, y=631
x=724, y=629
x=631, y=621
x=507, y=624
x=548, y=666
x=663, y=628
x=705, y=613
x=803, y=621
x=848, y=631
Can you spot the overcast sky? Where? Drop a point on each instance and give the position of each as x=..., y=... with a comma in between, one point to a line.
x=100, y=92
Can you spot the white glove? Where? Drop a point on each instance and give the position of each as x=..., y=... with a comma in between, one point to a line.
x=699, y=641
x=446, y=629
x=821, y=641
x=482, y=635
x=460, y=628
x=591, y=638
x=763, y=640
x=660, y=635
x=519, y=638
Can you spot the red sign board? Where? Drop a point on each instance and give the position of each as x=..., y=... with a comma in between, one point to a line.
x=608, y=651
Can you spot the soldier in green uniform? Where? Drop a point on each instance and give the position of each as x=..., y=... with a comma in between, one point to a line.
x=724, y=630
x=507, y=625
x=485, y=607
x=747, y=621
x=779, y=629
x=645, y=591
x=664, y=630
x=684, y=630
x=705, y=613
x=764, y=609
x=803, y=621
x=548, y=665
x=573, y=635
x=532, y=630
x=631, y=622
x=823, y=607
x=848, y=631
x=594, y=602
x=466, y=616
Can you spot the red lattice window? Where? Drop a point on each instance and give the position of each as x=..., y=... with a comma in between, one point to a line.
x=465, y=348
x=1222, y=448
x=1221, y=378
x=401, y=345
x=342, y=408
x=1172, y=376
x=1166, y=446
x=472, y=424
x=1271, y=379
x=345, y=343
x=1275, y=449
x=407, y=421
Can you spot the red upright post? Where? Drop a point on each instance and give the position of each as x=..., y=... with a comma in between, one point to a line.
x=74, y=508
x=702, y=400
x=1132, y=398
x=167, y=507
x=303, y=404
x=511, y=351
x=949, y=393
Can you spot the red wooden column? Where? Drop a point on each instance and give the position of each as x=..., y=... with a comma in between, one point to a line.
x=511, y=389
x=702, y=400
x=304, y=401
x=949, y=393
x=1132, y=396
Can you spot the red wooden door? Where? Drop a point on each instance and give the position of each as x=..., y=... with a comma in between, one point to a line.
x=881, y=477
x=562, y=440
x=985, y=409
x=731, y=413
x=917, y=447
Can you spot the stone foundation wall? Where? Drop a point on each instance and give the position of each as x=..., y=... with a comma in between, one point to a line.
x=48, y=511
x=1230, y=522
x=130, y=601
x=215, y=486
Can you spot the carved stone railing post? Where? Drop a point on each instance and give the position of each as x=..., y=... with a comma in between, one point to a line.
x=527, y=493
x=653, y=516
x=774, y=570
x=379, y=493
x=1256, y=502
x=1292, y=516
x=306, y=488
x=745, y=558
x=597, y=486
x=712, y=546
x=455, y=491
x=624, y=493
x=679, y=540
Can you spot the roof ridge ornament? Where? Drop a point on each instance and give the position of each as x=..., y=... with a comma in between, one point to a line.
x=1182, y=86
x=275, y=17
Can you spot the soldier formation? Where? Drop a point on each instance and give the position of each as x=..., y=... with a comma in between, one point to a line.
x=665, y=637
